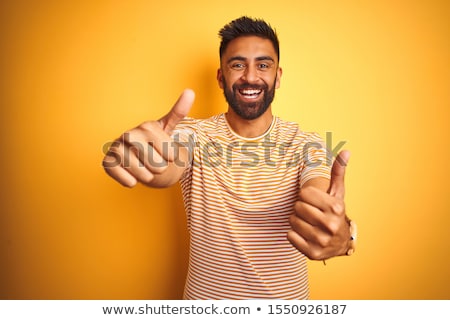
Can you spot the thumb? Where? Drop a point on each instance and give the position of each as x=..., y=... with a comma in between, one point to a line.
x=337, y=186
x=179, y=110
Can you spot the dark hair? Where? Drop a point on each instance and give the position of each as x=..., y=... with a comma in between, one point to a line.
x=246, y=26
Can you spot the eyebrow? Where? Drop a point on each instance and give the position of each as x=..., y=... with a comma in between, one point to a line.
x=241, y=58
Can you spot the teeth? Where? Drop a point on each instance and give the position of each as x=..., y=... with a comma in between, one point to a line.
x=250, y=92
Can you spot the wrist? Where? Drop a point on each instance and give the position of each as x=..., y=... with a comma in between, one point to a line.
x=353, y=235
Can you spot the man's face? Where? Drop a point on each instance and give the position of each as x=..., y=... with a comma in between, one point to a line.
x=249, y=75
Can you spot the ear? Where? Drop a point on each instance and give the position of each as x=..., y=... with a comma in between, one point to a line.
x=219, y=78
x=279, y=73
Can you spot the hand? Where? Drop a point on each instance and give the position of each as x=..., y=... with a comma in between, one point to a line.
x=147, y=151
x=320, y=227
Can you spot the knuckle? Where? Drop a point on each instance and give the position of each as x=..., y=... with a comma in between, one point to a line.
x=125, y=137
x=337, y=206
x=106, y=166
x=114, y=151
x=114, y=148
x=314, y=255
x=159, y=168
x=298, y=206
x=290, y=236
x=292, y=220
x=108, y=163
x=131, y=137
x=155, y=162
x=112, y=159
x=138, y=133
x=333, y=226
x=323, y=240
x=148, y=126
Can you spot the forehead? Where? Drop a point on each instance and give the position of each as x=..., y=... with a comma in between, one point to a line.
x=250, y=47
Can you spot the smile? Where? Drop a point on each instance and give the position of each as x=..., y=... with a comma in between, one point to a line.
x=250, y=93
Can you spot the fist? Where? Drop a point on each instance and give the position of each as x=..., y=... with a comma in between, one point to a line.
x=320, y=227
x=147, y=153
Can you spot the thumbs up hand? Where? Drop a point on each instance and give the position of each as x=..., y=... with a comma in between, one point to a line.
x=178, y=112
x=147, y=153
x=320, y=227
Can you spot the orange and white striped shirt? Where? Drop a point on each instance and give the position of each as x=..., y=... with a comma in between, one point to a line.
x=239, y=193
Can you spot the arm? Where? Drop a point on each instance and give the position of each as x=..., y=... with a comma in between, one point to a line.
x=318, y=183
x=320, y=226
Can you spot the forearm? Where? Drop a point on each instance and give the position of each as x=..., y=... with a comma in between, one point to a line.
x=320, y=183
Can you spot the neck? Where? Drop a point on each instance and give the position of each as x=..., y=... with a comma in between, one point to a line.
x=249, y=128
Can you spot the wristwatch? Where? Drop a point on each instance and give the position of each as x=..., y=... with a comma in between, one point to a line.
x=353, y=234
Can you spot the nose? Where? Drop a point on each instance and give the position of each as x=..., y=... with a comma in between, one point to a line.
x=250, y=74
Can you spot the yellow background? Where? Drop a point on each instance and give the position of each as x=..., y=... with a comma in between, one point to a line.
x=76, y=74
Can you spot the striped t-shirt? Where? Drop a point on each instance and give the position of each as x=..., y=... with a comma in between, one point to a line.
x=239, y=193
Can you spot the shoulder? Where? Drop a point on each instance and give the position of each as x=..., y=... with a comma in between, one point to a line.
x=291, y=131
x=213, y=126
x=194, y=123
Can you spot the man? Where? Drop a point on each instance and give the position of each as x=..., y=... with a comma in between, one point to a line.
x=257, y=190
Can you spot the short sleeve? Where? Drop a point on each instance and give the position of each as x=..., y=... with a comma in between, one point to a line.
x=185, y=135
x=316, y=162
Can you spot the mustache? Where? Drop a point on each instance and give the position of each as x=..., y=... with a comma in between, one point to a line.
x=242, y=86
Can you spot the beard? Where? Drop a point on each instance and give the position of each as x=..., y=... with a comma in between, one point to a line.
x=249, y=110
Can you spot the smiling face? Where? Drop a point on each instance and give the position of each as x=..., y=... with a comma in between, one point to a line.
x=249, y=74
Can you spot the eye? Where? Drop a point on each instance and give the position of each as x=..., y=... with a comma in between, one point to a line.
x=238, y=66
x=263, y=66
